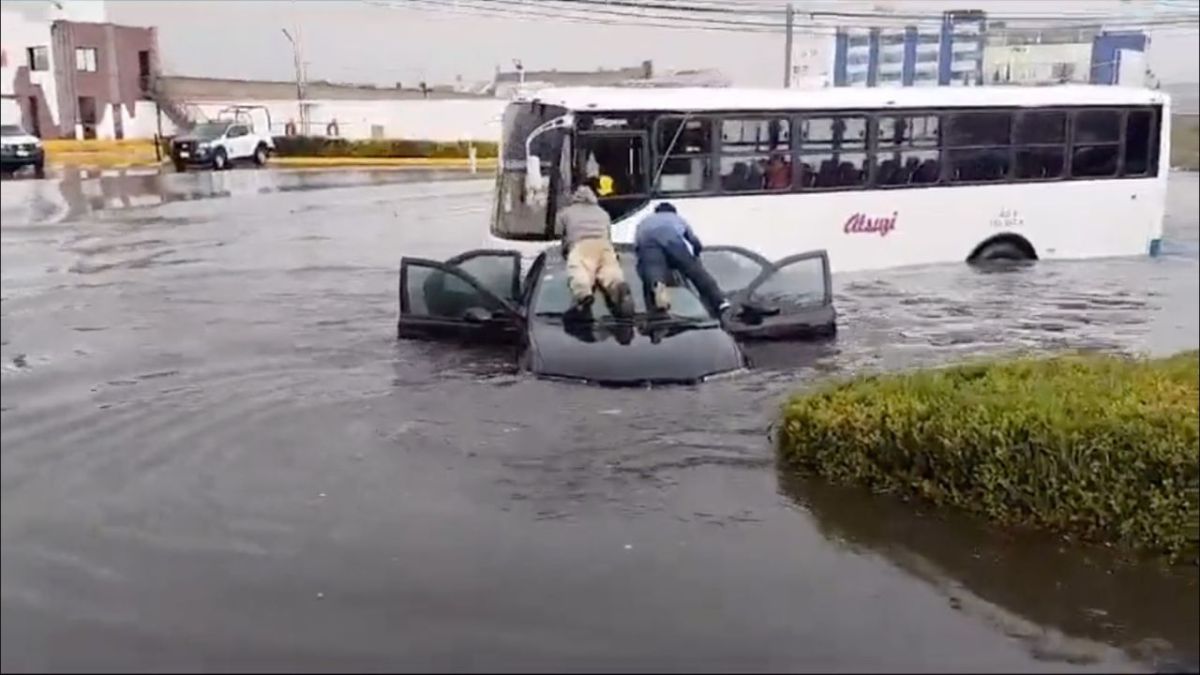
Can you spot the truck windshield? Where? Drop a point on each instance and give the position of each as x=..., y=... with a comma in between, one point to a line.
x=11, y=130
x=512, y=217
x=208, y=131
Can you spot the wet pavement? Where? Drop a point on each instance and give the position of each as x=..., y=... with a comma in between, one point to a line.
x=216, y=456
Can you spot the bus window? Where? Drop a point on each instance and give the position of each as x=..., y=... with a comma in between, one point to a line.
x=977, y=146
x=1040, y=137
x=833, y=152
x=907, y=150
x=755, y=155
x=684, y=154
x=1138, y=142
x=1097, y=143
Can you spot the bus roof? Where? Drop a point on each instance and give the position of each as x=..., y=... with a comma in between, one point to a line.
x=696, y=99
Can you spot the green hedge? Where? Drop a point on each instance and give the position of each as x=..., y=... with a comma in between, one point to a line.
x=313, y=146
x=1103, y=448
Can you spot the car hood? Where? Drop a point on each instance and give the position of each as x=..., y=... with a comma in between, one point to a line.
x=189, y=138
x=628, y=354
x=23, y=139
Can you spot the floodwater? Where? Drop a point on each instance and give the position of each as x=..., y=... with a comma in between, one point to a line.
x=216, y=456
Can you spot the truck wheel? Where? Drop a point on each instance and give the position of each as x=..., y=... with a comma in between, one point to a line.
x=39, y=169
x=181, y=167
x=260, y=155
x=220, y=160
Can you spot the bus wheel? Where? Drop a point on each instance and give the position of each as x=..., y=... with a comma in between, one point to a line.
x=1003, y=250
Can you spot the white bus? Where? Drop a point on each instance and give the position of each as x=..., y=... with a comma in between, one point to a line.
x=878, y=177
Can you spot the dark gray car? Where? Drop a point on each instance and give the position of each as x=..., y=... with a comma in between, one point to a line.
x=480, y=296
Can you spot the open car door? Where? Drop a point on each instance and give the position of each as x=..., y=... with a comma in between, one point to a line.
x=471, y=296
x=787, y=299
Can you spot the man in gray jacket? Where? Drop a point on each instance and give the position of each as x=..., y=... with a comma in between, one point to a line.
x=587, y=239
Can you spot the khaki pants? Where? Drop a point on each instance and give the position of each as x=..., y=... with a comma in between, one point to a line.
x=591, y=262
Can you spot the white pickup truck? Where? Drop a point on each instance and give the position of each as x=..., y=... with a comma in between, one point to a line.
x=220, y=143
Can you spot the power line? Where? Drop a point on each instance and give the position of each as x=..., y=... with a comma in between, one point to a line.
x=598, y=18
x=711, y=16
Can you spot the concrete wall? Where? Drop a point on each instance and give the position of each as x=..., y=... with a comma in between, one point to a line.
x=425, y=119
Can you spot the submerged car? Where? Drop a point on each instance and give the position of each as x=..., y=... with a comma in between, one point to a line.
x=481, y=296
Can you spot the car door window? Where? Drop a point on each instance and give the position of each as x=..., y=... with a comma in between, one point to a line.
x=435, y=290
x=733, y=268
x=795, y=282
x=792, y=299
x=498, y=272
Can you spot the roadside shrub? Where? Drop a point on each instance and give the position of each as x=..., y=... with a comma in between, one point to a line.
x=1103, y=448
x=316, y=146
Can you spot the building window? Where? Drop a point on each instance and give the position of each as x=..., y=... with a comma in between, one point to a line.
x=85, y=59
x=38, y=57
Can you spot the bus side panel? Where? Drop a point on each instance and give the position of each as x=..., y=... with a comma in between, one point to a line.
x=877, y=229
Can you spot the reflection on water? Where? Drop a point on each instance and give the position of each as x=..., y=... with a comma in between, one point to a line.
x=76, y=192
x=1032, y=587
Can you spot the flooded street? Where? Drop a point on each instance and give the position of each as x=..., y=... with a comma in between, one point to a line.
x=216, y=456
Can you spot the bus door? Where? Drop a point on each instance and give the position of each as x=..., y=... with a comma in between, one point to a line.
x=615, y=163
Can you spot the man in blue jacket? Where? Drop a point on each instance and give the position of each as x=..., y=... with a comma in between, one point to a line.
x=666, y=242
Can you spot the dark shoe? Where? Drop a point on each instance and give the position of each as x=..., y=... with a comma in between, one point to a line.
x=623, y=302
x=581, y=310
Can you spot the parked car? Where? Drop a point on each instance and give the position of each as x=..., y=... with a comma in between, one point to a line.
x=19, y=149
x=479, y=296
x=219, y=144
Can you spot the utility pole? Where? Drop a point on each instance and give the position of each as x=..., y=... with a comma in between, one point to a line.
x=787, y=47
x=298, y=63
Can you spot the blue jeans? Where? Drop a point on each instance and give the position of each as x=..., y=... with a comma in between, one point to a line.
x=656, y=260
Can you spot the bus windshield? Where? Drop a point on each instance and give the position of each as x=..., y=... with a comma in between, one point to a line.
x=512, y=217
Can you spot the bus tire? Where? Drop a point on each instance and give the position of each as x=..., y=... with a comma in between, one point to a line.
x=1005, y=249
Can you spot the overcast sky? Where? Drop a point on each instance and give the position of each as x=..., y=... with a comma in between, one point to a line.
x=352, y=40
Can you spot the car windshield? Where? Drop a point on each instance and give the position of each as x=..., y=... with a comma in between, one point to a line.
x=554, y=297
x=11, y=130
x=210, y=130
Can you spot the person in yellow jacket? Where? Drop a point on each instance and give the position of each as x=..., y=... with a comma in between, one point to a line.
x=604, y=185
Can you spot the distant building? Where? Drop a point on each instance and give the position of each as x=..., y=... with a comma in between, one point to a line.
x=1050, y=56
x=65, y=78
x=506, y=83
x=949, y=53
